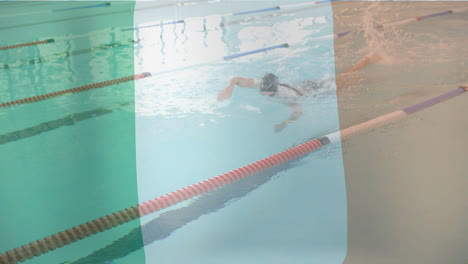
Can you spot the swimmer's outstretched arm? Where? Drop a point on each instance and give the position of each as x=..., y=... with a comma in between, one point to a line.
x=226, y=93
x=297, y=112
x=344, y=79
x=364, y=62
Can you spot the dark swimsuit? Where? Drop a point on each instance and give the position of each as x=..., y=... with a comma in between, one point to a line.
x=269, y=83
x=311, y=85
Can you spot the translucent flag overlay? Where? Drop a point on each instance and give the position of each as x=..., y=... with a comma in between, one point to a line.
x=192, y=125
x=406, y=181
x=233, y=132
x=67, y=136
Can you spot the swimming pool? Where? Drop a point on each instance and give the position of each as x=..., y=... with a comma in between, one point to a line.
x=299, y=211
x=183, y=135
x=127, y=143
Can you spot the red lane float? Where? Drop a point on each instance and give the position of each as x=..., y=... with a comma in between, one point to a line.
x=83, y=88
x=107, y=222
x=27, y=44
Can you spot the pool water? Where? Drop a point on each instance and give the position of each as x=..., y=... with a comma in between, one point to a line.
x=296, y=214
x=70, y=159
x=88, y=154
x=74, y=158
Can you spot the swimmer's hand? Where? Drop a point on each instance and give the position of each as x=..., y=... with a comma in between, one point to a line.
x=279, y=127
x=225, y=94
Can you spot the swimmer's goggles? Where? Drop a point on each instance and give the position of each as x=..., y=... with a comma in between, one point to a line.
x=270, y=83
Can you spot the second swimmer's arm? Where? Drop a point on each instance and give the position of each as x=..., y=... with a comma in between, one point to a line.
x=226, y=93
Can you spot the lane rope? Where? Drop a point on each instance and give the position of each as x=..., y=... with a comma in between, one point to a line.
x=55, y=10
x=67, y=54
x=405, y=21
x=33, y=43
x=68, y=236
x=83, y=88
x=109, y=13
x=283, y=7
x=305, y=6
x=47, y=96
x=81, y=7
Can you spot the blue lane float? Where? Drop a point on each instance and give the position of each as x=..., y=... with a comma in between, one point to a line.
x=391, y=117
x=156, y=25
x=230, y=57
x=285, y=7
x=344, y=33
x=66, y=54
x=93, y=15
x=56, y=10
x=225, y=58
x=275, y=8
x=434, y=15
x=88, y=87
x=304, y=6
x=257, y=11
x=433, y=101
x=405, y=21
x=81, y=7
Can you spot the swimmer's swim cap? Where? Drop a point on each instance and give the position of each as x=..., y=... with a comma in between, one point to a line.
x=269, y=83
